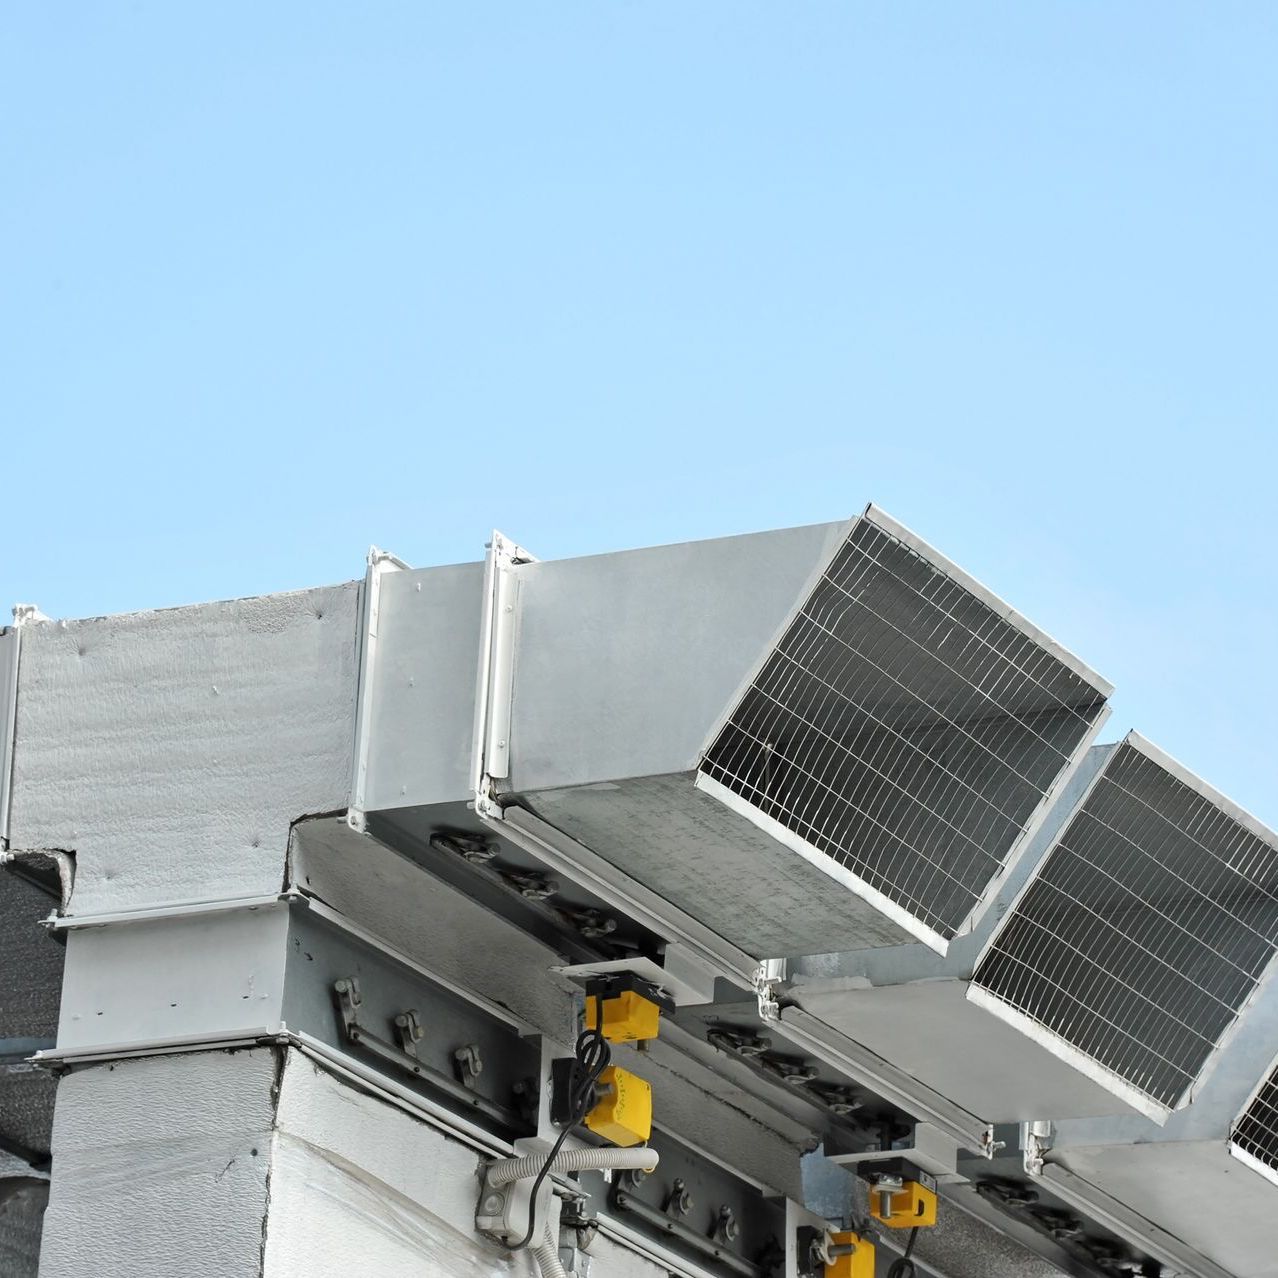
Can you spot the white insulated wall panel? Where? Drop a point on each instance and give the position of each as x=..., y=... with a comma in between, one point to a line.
x=358, y=1186
x=161, y=1168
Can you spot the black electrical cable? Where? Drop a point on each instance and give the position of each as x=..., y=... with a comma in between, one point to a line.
x=593, y=1057
x=903, y=1266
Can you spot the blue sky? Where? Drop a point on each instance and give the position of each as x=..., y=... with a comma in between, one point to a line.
x=283, y=280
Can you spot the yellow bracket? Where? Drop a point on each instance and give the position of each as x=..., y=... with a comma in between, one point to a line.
x=857, y=1263
x=912, y=1206
x=628, y=1017
x=624, y=1114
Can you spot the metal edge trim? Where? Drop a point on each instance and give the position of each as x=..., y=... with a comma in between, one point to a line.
x=1021, y=844
x=173, y=909
x=649, y=1250
x=9, y=728
x=379, y=562
x=1014, y=904
x=1203, y=789
x=157, y=1046
x=1254, y=1163
x=883, y=521
x=404, y=1098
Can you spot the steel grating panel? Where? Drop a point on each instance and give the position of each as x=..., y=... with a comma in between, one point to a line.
x=906, y=727
x=1256, y=1132
x=1148, y=927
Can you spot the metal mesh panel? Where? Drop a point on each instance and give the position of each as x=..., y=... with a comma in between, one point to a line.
x=904, y=728
x=1148, y=926
x=1257, y=1130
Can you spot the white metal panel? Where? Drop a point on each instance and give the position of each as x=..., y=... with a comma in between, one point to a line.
x=191, y=978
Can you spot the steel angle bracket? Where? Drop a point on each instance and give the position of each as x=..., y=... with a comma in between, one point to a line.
x=380, y=562
x=491, y=753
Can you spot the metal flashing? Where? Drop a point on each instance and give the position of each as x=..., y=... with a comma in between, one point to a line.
x=379, y=563
x=491, y=753
x=10, y=641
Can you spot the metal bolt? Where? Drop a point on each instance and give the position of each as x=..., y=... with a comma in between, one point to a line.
x=679, y=1200
x=726, y=1227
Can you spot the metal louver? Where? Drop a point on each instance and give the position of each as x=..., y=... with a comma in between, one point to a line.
x=904, y=730
x=1145, y=931
x=1255, y=1135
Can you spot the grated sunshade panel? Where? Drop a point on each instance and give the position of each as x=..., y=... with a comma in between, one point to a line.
x=904, y=728
x=1148, y=926
x=1256, y=1132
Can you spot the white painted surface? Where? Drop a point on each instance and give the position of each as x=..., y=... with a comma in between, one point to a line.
x=172, y=749
x=156, y=1173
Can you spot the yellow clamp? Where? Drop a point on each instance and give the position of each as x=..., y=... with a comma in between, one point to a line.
x=853, y=1257
x=628, y=1017
x=623, y=1115
x=908, y=1207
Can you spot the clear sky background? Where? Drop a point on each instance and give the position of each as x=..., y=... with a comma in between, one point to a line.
x=283, y=280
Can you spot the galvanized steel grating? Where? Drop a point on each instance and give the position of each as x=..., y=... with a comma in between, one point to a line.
x=905, y=728
x=1148, y=926
x=1256, y=1132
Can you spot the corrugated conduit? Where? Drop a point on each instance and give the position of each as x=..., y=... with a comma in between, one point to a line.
x=546, y=1254
x=512, y=1169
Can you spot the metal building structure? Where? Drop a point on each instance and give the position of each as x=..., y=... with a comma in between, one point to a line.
x=306, y=888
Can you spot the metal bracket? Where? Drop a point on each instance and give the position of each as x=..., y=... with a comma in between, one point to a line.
x=764, y=980
x=380, y=562
x=491, y=754
x=10, y=654
x=403, y=1054
x=1036, y=1140
x=470, y=1064
x=726, y=1229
